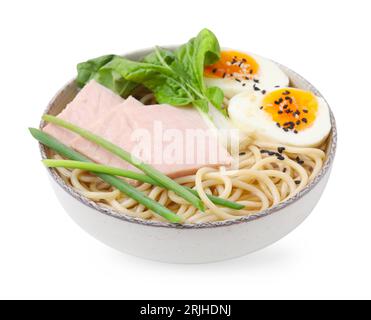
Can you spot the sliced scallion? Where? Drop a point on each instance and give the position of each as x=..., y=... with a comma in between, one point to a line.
x=98, y=168
x=121, y=185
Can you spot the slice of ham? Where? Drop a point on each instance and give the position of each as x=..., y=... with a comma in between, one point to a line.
x=93, y=102
x=174, y=140
x=115, y=127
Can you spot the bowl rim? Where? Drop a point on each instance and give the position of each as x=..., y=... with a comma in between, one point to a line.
x=244, y=219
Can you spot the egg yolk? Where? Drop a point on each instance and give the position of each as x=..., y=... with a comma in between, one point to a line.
x=233, y=64
x=291, y=109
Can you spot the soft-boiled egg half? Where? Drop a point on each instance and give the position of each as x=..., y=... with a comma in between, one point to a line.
x=287, y=115
x=237, y=72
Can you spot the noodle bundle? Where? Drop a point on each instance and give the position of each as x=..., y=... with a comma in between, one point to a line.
x=267, y=174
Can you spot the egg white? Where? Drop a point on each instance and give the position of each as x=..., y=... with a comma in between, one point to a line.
x=269, y=76
x=244, y=111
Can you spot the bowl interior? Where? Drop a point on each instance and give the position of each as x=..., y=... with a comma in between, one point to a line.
x=69, y=91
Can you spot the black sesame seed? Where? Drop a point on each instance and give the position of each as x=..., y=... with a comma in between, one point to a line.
x=244, y=84
x=215, y=70
x=286, y=93
x=297, y=182
x=242, y=153
x=224, y=75
x=261, y=107
x=284, y=170
x=285, y=129
x=285, y=106
x=298, y=122
x=238, y=80
x=278, y=125
x=256, y=80
x=289, y=124
x=256, y=88
x=264, y=91
x=298, y=160
x=281, y=149
x=296, y=131
x=305, y=120
x=281, y=158
x=305, y=110
x=280, y=112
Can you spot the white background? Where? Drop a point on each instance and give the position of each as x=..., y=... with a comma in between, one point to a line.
x=43, y=254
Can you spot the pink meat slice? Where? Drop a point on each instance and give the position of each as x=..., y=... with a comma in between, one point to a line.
x=174, y=140
x=114, y=127
x=91, y=103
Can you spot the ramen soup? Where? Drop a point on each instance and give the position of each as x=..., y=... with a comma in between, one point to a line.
x=192, y=135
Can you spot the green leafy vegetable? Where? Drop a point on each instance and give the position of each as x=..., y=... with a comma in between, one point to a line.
x=116, y=83
x=196, y=53
x=176, y=78
x=167, y=86
x=216, y=97
x=121, y=185
x=159, y=55
x=98, y=168
x=87, y=70
x=91, y=69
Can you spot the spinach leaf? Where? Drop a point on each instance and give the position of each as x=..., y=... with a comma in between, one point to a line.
x=160, y=56
x=198, y=52
x=115, y=82
x=91, y=69
x=216, y=97
x=175, y=77
x=87, y=70
x=156, y=76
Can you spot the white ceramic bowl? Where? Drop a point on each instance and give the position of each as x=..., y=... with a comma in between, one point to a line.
x=199, y=243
